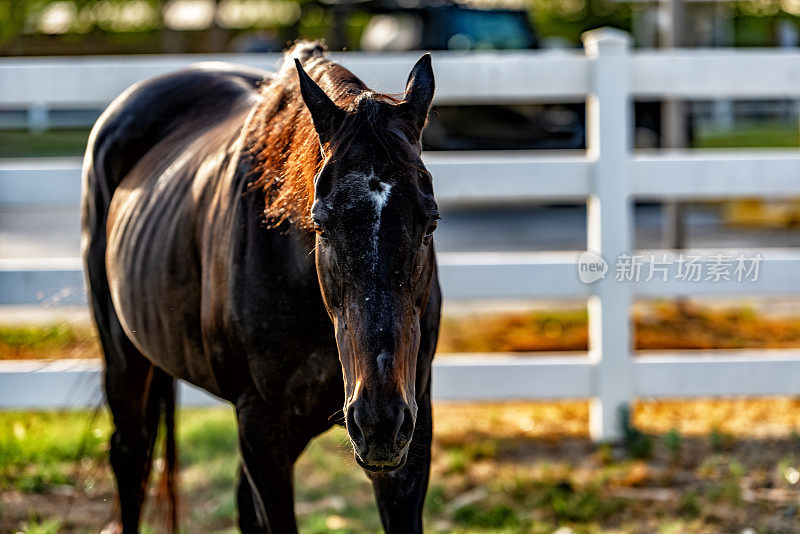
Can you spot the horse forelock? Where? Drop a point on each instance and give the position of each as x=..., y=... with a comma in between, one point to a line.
x=285, y=147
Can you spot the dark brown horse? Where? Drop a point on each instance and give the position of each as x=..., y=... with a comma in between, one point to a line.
x=268, y=239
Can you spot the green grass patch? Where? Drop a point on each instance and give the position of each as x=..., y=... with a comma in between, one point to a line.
x=49, y=143
x=507, y=480
x=48, y=437
x=568, y=503
x=42, y=341
x=212, y=434
x=750, y=134
x=35, y=526
x=497, y=517
x=39, y=451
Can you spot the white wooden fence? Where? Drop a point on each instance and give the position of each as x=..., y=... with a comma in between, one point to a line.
x=609, y=176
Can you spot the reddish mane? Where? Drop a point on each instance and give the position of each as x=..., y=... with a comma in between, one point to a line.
x=282, y=138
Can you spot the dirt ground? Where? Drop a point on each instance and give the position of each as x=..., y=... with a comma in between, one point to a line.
x=702, y=466
x=706, y=466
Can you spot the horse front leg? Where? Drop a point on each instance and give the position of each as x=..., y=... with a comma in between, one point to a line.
x=401, y=494
x=265, y=495
x=249, y=517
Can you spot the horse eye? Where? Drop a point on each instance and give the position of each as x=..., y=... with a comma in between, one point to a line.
x=429, y=232
x=432, y=227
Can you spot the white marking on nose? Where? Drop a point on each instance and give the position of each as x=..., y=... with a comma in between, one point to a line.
x=385, y=363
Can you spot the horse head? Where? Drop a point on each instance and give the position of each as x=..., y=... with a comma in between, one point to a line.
x=374, y=214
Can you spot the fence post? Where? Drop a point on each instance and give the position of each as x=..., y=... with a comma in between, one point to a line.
x=609, y=216
x=38, y=117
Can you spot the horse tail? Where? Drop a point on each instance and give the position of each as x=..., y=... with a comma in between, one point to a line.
x=168, y=488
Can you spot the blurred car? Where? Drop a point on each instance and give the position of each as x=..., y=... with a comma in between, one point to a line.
x=505, y=127
x=450, y=27
x=395, y=28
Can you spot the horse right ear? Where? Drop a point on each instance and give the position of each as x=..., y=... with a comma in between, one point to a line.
x=419, y=93
x=325, y=114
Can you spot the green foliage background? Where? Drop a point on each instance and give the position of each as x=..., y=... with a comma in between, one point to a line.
x=754, y=21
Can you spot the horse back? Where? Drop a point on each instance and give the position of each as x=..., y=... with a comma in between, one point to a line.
x=148, y=112
x=141, y=166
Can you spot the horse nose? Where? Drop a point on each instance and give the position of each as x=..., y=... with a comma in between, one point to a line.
x=380, y=433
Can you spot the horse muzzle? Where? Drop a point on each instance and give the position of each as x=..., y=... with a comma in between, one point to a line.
x=381, y=435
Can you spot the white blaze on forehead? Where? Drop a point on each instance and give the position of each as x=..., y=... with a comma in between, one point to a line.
x=378, y=193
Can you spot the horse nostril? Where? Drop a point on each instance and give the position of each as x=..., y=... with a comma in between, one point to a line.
x=405, y=428
x=354, y=427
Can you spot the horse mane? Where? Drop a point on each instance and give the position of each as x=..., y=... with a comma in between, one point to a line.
x=285, y=146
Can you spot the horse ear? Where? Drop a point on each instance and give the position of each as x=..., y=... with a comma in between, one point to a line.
x=419, y=93
x=325, y=114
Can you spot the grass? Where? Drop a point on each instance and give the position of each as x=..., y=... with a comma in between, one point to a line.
x=750, y=134
x=52, y=340
x=49, y=143
x=34, y=526
x=517, y=467
x=72, y=142
x=515, y=332
x=658, y=325
x=689, y=466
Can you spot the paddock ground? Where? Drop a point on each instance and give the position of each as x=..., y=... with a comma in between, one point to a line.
x=699, y=466
x=693, y=466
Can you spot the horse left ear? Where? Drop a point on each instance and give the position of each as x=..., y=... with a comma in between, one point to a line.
x=325, y=114
x=419, y=94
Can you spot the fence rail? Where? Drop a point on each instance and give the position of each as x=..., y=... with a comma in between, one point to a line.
x=517, y=177
x=608, y=176
x=470, y=377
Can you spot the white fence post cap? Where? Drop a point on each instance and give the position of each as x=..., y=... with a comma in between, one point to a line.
x=609, y=40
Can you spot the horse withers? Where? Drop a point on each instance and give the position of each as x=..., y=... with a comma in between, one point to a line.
x=268, y=238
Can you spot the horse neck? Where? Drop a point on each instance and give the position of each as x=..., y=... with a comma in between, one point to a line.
x=287, y=157
x=338, y=83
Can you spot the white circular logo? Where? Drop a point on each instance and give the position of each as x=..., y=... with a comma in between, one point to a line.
x=591, y=267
